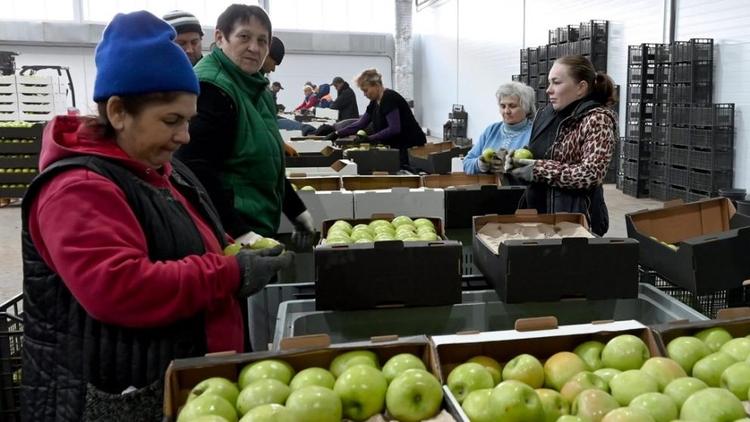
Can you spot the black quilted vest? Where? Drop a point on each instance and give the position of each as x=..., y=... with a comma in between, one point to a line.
x=75, y=367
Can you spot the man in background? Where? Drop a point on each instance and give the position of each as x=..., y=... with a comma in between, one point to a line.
x=275, y=55
x=346, y=102
x=275, y=88
x=189, y=33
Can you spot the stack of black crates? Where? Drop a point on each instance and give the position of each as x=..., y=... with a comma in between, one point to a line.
x=678, y=145
x=19, y=158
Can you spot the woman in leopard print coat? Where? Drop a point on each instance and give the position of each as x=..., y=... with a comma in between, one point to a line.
x=572, y=140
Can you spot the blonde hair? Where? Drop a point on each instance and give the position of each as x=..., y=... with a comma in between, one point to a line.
x=369, y=77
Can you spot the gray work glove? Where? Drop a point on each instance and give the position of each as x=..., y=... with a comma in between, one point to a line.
x=258, y=267
x=526, y=170
x=498, y=163
x=483, y=166
x=303, y=234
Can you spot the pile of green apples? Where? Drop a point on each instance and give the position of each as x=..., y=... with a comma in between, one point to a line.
x=614, y=382
x=353, y=387
x=17, y=171
x=14, y=186
x=400, y=228
x=261, y=243
x=17, y=141
x=16, y=123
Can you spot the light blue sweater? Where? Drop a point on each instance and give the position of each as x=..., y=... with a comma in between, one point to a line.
x=498, y=136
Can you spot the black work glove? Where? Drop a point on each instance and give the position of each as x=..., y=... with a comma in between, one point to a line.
x=332, y=136
x=498, y=163
x=258, y=267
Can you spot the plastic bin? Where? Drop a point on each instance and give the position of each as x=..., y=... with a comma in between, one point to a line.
x=657, y=190
x=695, y=93
x=677, y=192
x=717, y=115
x=663, y=53
x=678, y=176
x=693, y=50
x=716, y=138
x=679, y=136
x=660, y=135
x=663, y=93
x=593, y=29
x=680, y=115
x=679, y=156
x=663, y=73
x=710, y=181
x=637, y=188
x=11, y=337
x=661, y=114
x=711, y=160
x=658, y=172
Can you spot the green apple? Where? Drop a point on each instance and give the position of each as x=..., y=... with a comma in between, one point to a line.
x=631, y=384
x=592, y=405
x=687, y=350
x=207, y=404
x=360, y=226
x=591, y=354
x=400, y=363
x=338, y=240
x=513, y=400
x=307, y=188
x=525, y=368
x=736, y=379
x=476, y=405
x=312, y=376
x=714, y=337
x=488, y=154
x=381, y=237
x=384, y=230
x=581, y=381
x=468, y=377
x=625, y=352
x=268, y=368
x=682, y=388
x=660, y=406
x=401, y=220
x=424, y=222
x=627, y=414
x=215, y=385
x=712, y=404
x=343, y=225
x=710, y=368
x=361, y=234
x=553, y=404
x=361, y=389
x=361, y=133
x=346, y=360
x=263, y=391
x=572, y=418
x=377, y=223
x=208, y=418
x=264, y=243
x=738, y=348
x=663, y=370
x=314, y=404
x=428, y=236
x=364, y=240
x=561, y=367
x=425, y=229
x=496, y=370
x=414, y=395
x=607, y=374
x=268, y=413
x=232, y=249
x=522, y=154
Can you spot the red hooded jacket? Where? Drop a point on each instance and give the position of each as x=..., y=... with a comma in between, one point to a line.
x=85, y=231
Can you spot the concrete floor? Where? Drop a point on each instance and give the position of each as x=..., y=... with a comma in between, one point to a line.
x=10, y=235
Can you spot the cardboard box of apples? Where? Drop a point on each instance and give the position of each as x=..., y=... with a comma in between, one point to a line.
x=386, y=261
x=313, y=382
x=610, y=372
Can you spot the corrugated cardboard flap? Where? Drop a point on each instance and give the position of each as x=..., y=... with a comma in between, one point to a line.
x=459, y=180
x=380, y=182
x=676, y=223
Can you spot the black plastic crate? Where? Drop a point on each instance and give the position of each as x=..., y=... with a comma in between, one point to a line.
x=516, y=78
x=565, y=33
x=711, y=160
x=717, y=115
x=542, y=69
x=660, y=134
x=697, y=49
x=709, y=304
x=563, y=49
x=663, y=73
x=710, y=181
x=542, y=81
x=639, y=130
x=679, y=136
x=679, y=156
x=640, y=74
x=659, y=152
x=696, y=93
x=696, y=195
x=680, y=115
x=524, y=68
x=678, y=176
x=677, y=192
x=17, y=190
x=657, y=190
x=657, y=171
x=11, y=337
x=593, y=47
x=661, y=114
x=574, y=47
x=637, y=188
x=636, y=150
x=640, y=93
x=19, y=161
x=641, y=54
x=593, y=29
x=533, y=80
x=640, y=111
x=635, y=169
x=715, y=138
x=533, y=68
x=533, y=55
x=541, y=52
x=663, y=93
x=694, y=72
x=524, y=55
x=552, y=36
x=541, y=94
x=552, y=50
x=663, y=53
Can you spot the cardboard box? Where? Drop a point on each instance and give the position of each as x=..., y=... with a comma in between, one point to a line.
x=387, y=274
x=338, y=168
x=314, y=351
x=734, y=320
x=326, y=156
x=288, y=135
x=323, y=205
x=376, y=160
x=435, y=158
x=380, y=182
x=312, y=146
x=594, y=268
x=542, y=341
x=470, y=195
x=712, y=244
x=326, y=113
x=400, y=201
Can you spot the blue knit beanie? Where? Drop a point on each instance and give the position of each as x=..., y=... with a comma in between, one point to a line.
x=138, y=55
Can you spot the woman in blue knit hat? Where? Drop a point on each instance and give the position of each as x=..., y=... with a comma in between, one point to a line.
x=124, y=268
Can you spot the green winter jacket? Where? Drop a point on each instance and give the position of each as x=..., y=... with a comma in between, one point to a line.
x=255, y=170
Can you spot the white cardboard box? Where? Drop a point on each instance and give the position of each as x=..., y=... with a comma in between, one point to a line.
x=326, y=113
x=287, y=135
x=323, y=205
x=457, y=165
x=400, y=201
x=310, y=146
x=339, y=168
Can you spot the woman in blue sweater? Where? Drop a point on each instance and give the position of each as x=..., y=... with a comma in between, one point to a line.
x=517, y=109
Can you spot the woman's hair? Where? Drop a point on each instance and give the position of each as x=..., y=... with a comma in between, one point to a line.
x=133, y=105
x=526, y=95
x=369, y=77
x=601, y=87
x=242, y=13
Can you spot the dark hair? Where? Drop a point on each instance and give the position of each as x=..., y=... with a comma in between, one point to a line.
x=601, y=87
x=133, y=105
x=241, y=13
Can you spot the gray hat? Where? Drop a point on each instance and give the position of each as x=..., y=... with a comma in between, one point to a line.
x=183, y=21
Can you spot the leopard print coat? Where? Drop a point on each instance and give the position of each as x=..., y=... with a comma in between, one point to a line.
x=582, y=151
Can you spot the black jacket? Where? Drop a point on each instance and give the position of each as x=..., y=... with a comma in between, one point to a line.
x=75, y=367
x=346, y=103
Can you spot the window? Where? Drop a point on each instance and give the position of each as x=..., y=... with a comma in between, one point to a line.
x=38, y=10
x=205, y=10
x=334, y=15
